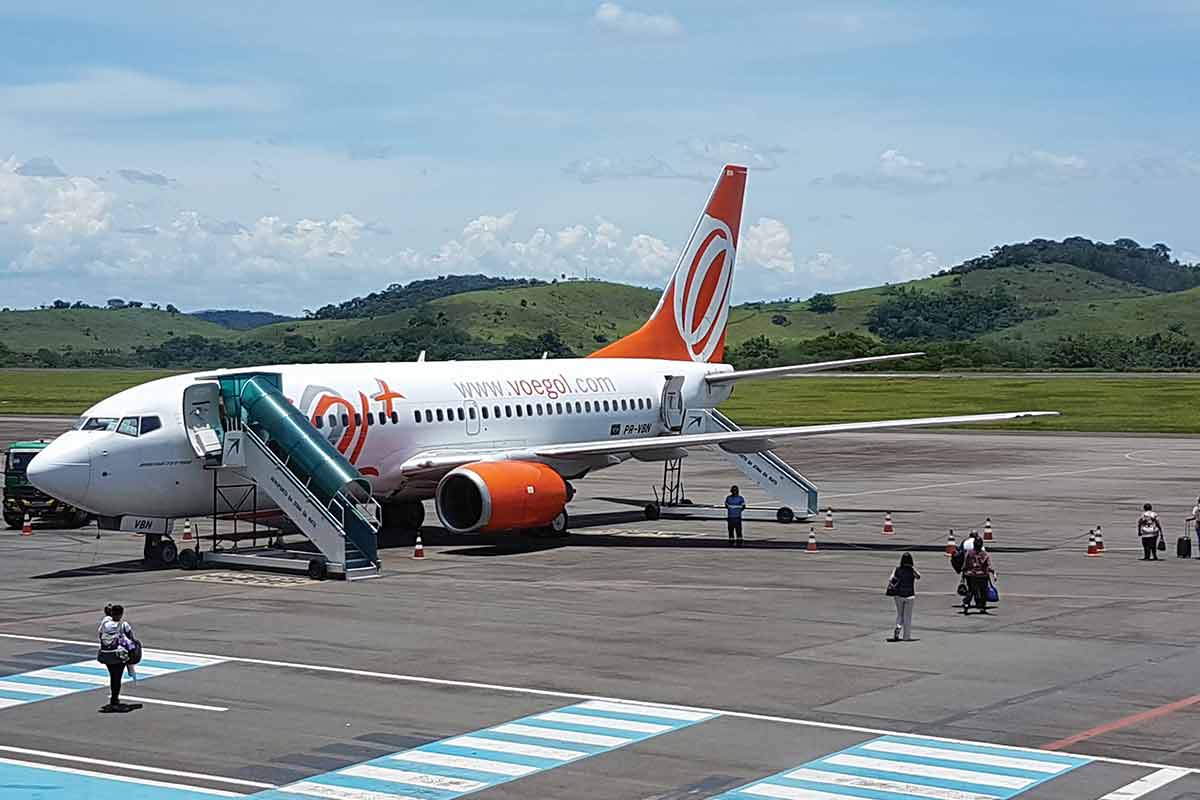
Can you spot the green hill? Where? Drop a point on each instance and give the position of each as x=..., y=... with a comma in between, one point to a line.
x=84, y=329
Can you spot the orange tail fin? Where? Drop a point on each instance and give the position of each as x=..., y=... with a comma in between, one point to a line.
x=689, y=322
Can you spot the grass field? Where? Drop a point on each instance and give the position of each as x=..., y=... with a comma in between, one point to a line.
x=1143, y=405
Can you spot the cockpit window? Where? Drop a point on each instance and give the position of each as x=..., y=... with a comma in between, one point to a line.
x=128, y=426
x=100, y=424
x=150, y=424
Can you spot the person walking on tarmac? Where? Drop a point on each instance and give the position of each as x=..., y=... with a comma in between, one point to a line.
x=1150, y=531
x=903, y=589
x=735, y=504
x=119, y=650
x=977, y=568
x=1195, y=520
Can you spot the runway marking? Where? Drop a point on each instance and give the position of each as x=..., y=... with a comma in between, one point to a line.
x=509, y=751
x=1124, y=722
x=100, y=762
x=536, y=692
x=1143, y=786
x=94, y=785
x=914, y=766
x=175, y=703
x=1065, y=474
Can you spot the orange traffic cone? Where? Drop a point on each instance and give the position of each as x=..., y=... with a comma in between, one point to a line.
x=888, y=530
x=27, y=526
x=812, y=541
x=187, y=530
x=951, y=544
x=829, y=518
x=987, y=530
x=418, y=549
x=1099, y=540
x=1092, y=551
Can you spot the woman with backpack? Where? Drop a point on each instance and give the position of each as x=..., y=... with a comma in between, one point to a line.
x=903, y=589
x=119, y=650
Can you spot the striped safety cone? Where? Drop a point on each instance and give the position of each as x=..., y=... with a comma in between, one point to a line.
x=27, y=526
x=888, y=530
x=1092, y=551
x=187, y=530
x=812, y=540
x=829, y=518
x=951, y=544
x=418, y=549
x=987, y=530
x=1099, y=540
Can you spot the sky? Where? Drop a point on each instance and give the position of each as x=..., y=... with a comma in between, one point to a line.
x=281, y=156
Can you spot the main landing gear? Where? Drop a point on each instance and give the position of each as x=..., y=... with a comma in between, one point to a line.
x=400, y=519
x=159, y=549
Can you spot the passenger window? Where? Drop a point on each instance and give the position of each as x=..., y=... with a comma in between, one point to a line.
x=319, y=422
x=128, y=426
x=484, y=410
x=150, y=424
x=558, y=408
x=606, y=406
x=529, y=409
x=428, y=415
x=508, y=411
x=382, y=418
x=460, y=415
x=357, y=418
x=518, y=411
x=345, y=420
x=624, y=405
x=395, y=417
x=417, y=416
x=471, y=412
x=587, y=406
x=440, y=416
x=539, y=409
x=497, y=412
x=578, y=407
x=568, y=408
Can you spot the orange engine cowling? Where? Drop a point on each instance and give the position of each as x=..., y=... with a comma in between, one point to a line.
x=500, y=495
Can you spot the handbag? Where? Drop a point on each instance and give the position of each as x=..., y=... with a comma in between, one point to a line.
x=962, y=588
x=892, y=587
x=113, y=656
x=1162, y=543
x=993, y=595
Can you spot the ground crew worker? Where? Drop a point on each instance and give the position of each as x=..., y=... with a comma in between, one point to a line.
x=978, y=571
x=735, y=504
x=1149, y=530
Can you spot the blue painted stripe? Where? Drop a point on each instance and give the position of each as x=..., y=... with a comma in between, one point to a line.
x=992, y=750
x=82, y=669
x=490, y=755
x=516, y=738
x=171, y=665
x=21, y=780
x=970, y=766
x=62, y=683
x=28, y=697
x=620, y=715
x=570, y=726
x=921, y=780
x=386, y=787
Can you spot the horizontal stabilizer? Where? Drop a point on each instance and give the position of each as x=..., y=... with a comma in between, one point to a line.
x=800, y=369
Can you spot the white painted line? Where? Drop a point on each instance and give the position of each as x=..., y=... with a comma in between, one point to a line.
x=78, y=677
x=789, y=792
x=928, y=771
x=501, y=746
x=121, y=778
x=561, y=735
x=577, y=696
x=908, y=489
x=99, y=762
x=153, y=672
x=465, y=762
x=9, y=702
x=878, y=785
x=603, y=722
x=966, y=757
x=34, y=688
x=422, y=779
x=176, y=703
x=311, y=789
x=1143, y=786
x=647, y=710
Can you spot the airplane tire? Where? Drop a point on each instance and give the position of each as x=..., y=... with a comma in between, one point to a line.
x=652, y=511
x=168, y=552
x=14, y=521
x=317, y=569
x=785, y=514
x=189, y=559
x=413, y=515
x=558, y=526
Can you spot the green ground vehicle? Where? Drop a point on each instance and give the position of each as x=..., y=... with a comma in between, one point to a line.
x=21, y=497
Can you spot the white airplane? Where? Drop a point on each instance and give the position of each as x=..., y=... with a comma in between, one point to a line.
x=494, y=443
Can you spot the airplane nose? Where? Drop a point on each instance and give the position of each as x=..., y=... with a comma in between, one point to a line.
x=63, y=470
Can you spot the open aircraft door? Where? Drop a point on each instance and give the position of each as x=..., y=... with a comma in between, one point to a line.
x=202, y=419
x=671, y=409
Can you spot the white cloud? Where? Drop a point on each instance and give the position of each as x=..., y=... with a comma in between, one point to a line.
x=1040, y=166
x=696, y=160
x=1188, y=257
x=593, y=170
x=107, y=92
x=895, y=170
x=768, y=244
x=40, y=167
x=905, y=264
x=615, y=17
x=735, y=151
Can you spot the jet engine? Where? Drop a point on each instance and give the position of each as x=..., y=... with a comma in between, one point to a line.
x=502, y=495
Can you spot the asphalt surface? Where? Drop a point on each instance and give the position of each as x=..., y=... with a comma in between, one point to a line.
x=1091, y=656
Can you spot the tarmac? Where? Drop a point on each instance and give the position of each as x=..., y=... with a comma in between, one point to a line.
x=766, y=665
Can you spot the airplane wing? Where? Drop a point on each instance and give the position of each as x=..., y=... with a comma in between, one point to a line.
x=799, y=369
x=746, y=441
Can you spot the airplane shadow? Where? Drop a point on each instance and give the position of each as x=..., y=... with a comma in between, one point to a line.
x=94, y=570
